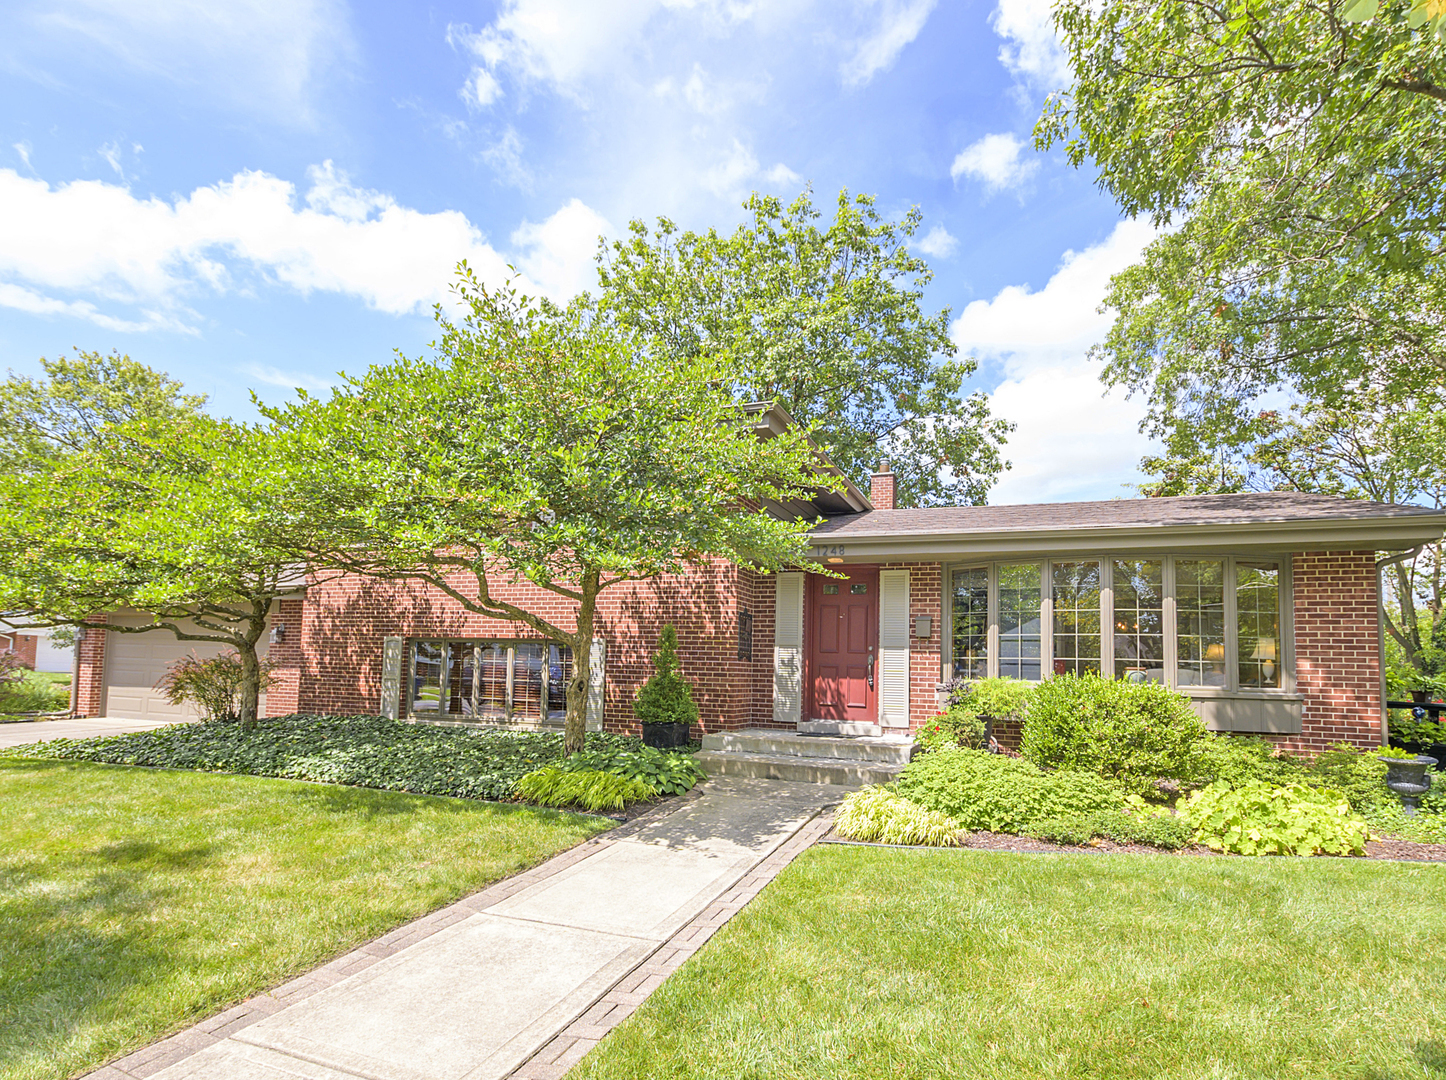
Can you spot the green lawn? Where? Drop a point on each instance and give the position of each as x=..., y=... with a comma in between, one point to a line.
x=134, y=902
x=862, y=962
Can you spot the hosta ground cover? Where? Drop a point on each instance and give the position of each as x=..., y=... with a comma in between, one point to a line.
x=134, y=902
x=365, y=751
x=864, y=962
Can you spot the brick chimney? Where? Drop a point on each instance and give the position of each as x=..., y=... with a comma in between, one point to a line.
x=881, y=487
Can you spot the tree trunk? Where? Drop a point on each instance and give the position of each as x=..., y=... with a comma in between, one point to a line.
x=251, y=665
x=574, y=732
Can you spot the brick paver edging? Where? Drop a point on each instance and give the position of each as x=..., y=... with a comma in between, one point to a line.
x=569, y=1047
x=557, y=1056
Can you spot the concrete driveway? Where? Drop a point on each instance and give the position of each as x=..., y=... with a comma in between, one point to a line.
x=20, y=733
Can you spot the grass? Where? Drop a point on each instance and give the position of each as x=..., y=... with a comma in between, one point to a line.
x=365, y=751
x=37, y=691
x=860, y=962
x=134, y=902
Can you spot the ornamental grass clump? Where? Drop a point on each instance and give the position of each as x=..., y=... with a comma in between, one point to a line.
x=1258, y=818
x=989, y=791
x=1132, y=733
x=879, y=815
x=590, y=789
x=664, y=773
x=666, y=698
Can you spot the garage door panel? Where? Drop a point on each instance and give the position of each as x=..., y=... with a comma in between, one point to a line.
x=134, y=663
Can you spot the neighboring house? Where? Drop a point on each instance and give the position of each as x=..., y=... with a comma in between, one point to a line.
x=1263, y=608
x=24, y=646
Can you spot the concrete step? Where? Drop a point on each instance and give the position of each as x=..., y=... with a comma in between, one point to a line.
x=800, y=770
x=838, y=727
x=884, y=751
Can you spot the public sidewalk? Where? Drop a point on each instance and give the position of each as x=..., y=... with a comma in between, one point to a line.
x=523, y=978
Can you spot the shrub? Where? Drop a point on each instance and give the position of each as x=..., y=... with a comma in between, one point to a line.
x=882, y=816
x=956, y=727
x=664, y=773
x=1266, y=819
x=26, y=691
x=935, y=735
x=1133, y=733
x=1240, y=759
x=591, y=789
x=999, y=699
x=989, y=791
x=1121, y=826
x=213, y=685
x=666, y=698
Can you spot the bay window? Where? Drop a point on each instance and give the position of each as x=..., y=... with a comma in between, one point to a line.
x=488, y=681
x=1205, y=625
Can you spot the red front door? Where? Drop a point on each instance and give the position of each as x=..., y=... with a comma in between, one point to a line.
x=842, y=642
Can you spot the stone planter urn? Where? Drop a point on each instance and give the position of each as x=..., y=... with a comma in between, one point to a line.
x=665, y=736
x=1409, y=778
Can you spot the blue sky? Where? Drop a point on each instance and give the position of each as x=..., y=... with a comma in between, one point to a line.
x=259, y=194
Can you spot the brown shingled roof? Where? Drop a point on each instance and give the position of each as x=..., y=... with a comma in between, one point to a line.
x=1243, y=509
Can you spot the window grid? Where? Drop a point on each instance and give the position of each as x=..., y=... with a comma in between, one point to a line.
x=1075, y=611
x=488, y=681
x=1192, y=596
x=1139, y=612
x=971, y=622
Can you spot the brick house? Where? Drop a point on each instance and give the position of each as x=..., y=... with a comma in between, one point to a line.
x=1262, y=607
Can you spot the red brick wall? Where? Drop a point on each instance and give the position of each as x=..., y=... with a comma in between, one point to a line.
x=926, y=582
x=757, y=593
x=23, y=646
x=90, y=676
x=283, y=695
x=1337, y=629
x=347, y=617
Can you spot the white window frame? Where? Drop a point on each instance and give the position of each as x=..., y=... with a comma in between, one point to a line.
x=1232, y=689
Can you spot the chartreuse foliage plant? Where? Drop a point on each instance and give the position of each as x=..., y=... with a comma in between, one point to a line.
x=989, y=791
x=548, y=445
x=590, y=789
x=664, y=773
x=1132, y=733
x=666, y=698
x=1257, y=818
x=136, y=902
x=883, y=816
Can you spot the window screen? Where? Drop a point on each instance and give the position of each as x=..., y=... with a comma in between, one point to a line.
x=1200, y=622
x=1019, y=634
x=971, y=623
x=1139, y=631
x=1075, y=589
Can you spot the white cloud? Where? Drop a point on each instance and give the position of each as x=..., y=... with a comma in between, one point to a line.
x=781, y=176
x=504, y=157
x=100, y=239
x=1031, y=52
x=481, y=89
x=558, y=253
x=938, y=242
x=899, y=24
x=728, y=175
x=994, y=160
x=23, y=149
x=291, y=380
x=19, y=298
x=1027, y=330
x=265, y=55
x=1072, y=441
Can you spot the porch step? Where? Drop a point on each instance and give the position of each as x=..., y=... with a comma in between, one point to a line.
x=810, y=759
x=801, y=770
x=883, y=751
x=838, y=727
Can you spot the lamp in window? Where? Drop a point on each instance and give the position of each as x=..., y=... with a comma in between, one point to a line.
x=1264, y=654
x=1215, y=657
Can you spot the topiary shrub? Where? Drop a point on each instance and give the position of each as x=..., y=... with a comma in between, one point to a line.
x=1257, y=818
x=989, y=791
x=882, y=816
x=1132, y=733
x=666, y=698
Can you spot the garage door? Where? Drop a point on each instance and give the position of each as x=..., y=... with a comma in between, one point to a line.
x=134, y=663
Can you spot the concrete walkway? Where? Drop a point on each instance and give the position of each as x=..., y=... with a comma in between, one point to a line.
x=523, y=978
x=22, y=732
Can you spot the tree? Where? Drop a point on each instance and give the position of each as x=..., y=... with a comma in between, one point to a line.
x=538, y=445
x=829, y=323
x=120, y=493
x=1296, y=162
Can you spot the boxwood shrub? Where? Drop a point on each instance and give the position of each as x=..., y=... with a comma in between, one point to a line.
x=1132, y=733
x=990, y=791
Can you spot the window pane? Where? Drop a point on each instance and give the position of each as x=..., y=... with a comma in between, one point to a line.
x=1019, y=637
x=1200, y=622
x=971, y=623
x=559, y=671
x=427, y=676
x=1075, y=587
x=1257, y=623
x=491, y=682
x=462, y=656
x=1139, y=587
x=526, y=681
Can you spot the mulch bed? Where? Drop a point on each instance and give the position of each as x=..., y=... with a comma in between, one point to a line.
x=990, y=841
